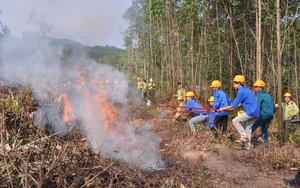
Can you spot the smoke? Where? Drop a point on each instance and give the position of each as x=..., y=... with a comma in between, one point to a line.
x=93, y=22
x=98, y=95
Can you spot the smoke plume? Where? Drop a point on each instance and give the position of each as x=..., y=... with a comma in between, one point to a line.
x=98, y=95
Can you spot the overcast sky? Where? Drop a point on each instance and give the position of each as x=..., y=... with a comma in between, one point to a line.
x=90, y=22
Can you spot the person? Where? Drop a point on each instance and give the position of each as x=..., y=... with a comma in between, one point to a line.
x=290, y=111
x=140, y=85
x=179, y=115
x=180, y=91
x=144, y=90
x=211, y=114
x=221, y=99
x=198, y=113
x=247, y=99
x=151, y=88
x=267, y=110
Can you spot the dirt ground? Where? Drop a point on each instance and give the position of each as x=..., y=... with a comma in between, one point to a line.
x=221, y=162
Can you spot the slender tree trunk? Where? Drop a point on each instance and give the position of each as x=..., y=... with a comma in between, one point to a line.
x=192, y=55
x=150, y=40
x=279, y=70
x=296, y=68
x=200, y=57
x=179, y=55
x=232, y=32
x=258, y=40
x=230, y=53
x=171, y=50
x=219, y=44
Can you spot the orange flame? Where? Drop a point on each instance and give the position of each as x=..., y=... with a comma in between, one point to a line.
x=108, y=113
x=68, y=114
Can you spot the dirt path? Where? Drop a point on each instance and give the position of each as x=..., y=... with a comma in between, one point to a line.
x=225, y=166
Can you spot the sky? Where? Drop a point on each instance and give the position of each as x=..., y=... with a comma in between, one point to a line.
x=90, y=22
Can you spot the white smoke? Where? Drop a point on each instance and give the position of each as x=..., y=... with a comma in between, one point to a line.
x=39, y=63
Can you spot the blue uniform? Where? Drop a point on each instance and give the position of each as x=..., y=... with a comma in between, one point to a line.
x=221, y=100
x=247, y=98
x=212, y=116
x=193, y=106
x=199, y=113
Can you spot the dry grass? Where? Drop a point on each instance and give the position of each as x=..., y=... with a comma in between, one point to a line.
x=32, y=156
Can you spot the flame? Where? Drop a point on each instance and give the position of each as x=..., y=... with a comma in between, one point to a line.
x=68, y=113
x=108, y=114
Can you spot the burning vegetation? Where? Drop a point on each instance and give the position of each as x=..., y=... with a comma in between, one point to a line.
x=67, y=122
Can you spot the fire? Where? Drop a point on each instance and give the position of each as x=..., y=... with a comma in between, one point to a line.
x=68, y=112
x=108, y=113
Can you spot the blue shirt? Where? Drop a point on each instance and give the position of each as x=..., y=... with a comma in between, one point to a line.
x=221, y=100
x=193, y=106
x=247, y=98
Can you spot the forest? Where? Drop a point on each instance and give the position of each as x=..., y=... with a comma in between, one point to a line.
x=198, y=41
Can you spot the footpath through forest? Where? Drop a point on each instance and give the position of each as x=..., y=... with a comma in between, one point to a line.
x=221, y=162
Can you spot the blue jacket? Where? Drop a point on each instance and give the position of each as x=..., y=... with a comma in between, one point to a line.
x=221, y=100
x=266, y=103
x=247, y=98
x=193, y=106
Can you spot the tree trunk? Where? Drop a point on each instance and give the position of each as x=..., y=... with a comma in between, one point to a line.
x=296, y=68
x=258, y=41
x=279, y=70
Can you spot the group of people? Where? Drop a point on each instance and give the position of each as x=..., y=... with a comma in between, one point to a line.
x=258, y=110
x=146, y=89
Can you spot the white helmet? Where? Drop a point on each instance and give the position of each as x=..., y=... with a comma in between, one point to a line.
x=150, y=79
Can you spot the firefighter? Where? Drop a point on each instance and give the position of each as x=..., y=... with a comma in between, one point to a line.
x=144, y=91
x=221, y=99
x=290, y=111
x=180, y=91
x=179, y=115
x=267, y=110
x=198, y=113
x=151, y=88
x=212, y=114
x=140, y=85
x=247, y=99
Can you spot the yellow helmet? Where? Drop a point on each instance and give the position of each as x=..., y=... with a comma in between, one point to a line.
x=211, y=99
x=239, y=78
x=287, y=94
x=138, y=79
x=259, y=83
x=216, y=83
x=189, y=94
x=180, y=98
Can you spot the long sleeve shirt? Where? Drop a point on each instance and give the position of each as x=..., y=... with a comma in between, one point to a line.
x=151, y=85
x=266, y=103
x=290, y=110
x=221, y=100
x=193, y=106
x=140, y=85
x=247, y=98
